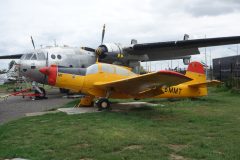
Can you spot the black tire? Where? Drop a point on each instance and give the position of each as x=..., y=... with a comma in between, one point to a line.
x=41, y=96
x=103, y=104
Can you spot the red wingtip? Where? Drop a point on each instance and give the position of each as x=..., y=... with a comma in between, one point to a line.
x=175, y=74
x=196, y=67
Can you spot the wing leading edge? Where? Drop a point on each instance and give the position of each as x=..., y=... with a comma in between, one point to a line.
x=15, y=56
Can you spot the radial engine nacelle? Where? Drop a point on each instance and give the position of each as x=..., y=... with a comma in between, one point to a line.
x=110, y=50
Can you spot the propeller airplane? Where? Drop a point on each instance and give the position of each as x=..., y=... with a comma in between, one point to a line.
x=114, y=53
x=103, y=81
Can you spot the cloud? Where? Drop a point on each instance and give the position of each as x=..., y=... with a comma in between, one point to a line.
x=213, y=7
x=79, y=23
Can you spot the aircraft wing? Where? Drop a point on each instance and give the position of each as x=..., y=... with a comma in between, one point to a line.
x=14, y=56
x=144, y=83
x=177, y=49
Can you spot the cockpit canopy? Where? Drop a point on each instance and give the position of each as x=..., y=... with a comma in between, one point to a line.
x=108, y=68
x=34, y=56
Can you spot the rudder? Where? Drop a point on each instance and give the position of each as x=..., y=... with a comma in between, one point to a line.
x=196, y=72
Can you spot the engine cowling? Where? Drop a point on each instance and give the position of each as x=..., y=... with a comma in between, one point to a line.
x=110, y=50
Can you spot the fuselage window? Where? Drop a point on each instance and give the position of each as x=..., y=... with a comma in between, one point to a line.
x=107, y=68
x=34, y=57
x=41, y=56
x=92, y=69
x=53, y=56
x=28, y=56
x=59, y=56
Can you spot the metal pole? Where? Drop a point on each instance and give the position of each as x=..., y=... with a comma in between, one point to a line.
x=206, y=59
x=237, y=67
x=211, y=69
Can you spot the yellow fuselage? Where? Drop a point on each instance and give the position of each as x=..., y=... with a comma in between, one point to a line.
x=85, y=84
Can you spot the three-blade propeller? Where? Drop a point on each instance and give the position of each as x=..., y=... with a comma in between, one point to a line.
x=100, y=50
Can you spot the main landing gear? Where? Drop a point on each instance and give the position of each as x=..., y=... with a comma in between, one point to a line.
x=103, y=104
x=100, y=103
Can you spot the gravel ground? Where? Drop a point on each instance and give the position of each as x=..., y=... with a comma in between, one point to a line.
x=17, y=107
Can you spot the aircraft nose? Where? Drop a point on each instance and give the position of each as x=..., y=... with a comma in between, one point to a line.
x=44, y=70
x=51, y=73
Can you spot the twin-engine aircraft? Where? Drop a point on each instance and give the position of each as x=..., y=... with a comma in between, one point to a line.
x=104, y=81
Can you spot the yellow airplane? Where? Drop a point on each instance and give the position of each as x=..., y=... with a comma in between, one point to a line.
x=104, y=81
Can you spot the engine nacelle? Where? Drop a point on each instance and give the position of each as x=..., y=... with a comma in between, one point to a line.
x=110, y=51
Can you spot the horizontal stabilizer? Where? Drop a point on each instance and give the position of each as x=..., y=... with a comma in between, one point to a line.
x=208, y=83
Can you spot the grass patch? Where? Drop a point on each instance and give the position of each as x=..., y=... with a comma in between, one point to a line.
x=206, y=128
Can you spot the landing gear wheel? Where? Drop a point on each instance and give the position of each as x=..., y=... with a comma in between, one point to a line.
x=41, y=95
x=103, y=104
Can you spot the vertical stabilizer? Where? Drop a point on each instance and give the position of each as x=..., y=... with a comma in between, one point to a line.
x=196, y=72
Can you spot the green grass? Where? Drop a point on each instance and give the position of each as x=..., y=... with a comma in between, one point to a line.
x=207, y=128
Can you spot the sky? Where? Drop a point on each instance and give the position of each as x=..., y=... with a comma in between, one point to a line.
x=79, y=23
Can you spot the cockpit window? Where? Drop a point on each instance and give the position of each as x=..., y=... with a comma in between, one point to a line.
x=41, y=56
x=23, y=57
x=92, y=69
x=124, y=72
x=28, y=56
x=107, y=68
x=34, y=57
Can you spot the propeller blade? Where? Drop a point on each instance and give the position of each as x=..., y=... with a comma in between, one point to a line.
x=32, y=42
x=88, y=49
x=103, y=33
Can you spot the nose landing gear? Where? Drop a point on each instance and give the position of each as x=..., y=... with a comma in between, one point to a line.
x=40, y=93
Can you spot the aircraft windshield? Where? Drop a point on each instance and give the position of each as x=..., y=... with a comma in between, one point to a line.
x=92, y=69
x=41, y=56
x=23, y=57
x=34, y=57
x=116, y=70
x=122, y=71
x=108, y=68
x=28, y=56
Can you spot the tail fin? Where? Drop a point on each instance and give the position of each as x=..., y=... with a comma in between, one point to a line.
x=196, y=72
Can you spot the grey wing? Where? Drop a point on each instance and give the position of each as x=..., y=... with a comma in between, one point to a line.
x=15, y=56
x=178, y=49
